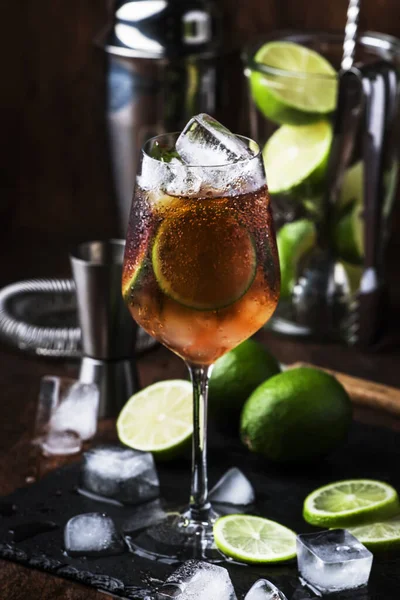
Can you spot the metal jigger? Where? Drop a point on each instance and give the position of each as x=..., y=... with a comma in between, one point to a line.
x=108, y=330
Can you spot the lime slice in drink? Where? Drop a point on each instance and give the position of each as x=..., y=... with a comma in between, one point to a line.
x=354, y=501
x=158, y=419
x=204, y=258
x=299, y=87
x=382, y=535
x=254, y=539
x=294, y=241
x=296, y=156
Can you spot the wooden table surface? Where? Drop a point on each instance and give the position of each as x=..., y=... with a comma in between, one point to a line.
x=26, y=256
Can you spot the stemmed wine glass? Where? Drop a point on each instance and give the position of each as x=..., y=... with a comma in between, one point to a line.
x=201, y=275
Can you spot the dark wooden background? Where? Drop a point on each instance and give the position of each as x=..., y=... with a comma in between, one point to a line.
x=54, y=171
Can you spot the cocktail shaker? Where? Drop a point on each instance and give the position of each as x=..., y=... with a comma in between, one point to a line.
x=108, y=330
x=162, y=68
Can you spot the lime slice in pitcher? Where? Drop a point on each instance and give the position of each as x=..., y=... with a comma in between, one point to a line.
x=294, y=241
x=296, y=156
x=299, y=87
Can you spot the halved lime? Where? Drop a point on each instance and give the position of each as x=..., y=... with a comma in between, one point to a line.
x=299, y=88
x=204, y=258
x=295, y=156
x=158, y=419
x=254, y=539
x=382, y=535
x=294, y=240
x=350, y=502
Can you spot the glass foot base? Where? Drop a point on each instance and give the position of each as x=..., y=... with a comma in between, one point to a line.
x=176, y=539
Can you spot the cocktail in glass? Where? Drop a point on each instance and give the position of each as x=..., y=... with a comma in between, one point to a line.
x=201, y=274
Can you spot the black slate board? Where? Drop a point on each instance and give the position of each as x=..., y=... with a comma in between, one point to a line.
x=370, y=452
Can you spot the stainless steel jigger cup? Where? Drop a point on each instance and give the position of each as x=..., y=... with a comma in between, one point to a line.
x=108, y=330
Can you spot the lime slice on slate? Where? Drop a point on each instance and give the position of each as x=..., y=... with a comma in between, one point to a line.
x=299, y=88
x=158, y=419
x=353, y=501
x=254, y=539
x=382, y=535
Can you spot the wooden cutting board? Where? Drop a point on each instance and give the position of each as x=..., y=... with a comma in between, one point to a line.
x=365, y=393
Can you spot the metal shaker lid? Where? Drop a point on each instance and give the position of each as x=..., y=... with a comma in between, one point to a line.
x=164, y=29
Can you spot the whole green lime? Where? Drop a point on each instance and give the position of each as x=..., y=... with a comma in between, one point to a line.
x=298, y=415
x=235, y=376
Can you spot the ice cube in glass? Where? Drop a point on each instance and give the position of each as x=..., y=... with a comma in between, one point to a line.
x=66, y=414
x=92, y=534
x=61, y=443
x=334, y=560
x=77, y=409
x=123, y=474
x=197, y=580
x=233, y=488
x=205, y=142
x=264, y=590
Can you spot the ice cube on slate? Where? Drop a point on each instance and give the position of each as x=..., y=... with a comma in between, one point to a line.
x=197, y=580
x=205, y=142
x=332, y=561
x=143, y=516
x=264, y=590
x=233, y=488
x=92, y=534
x=77, y=410
x=122, y=474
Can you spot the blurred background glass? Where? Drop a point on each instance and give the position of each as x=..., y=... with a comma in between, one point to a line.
x=292, y=86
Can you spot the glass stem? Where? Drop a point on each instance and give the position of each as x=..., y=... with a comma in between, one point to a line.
x=199, y=509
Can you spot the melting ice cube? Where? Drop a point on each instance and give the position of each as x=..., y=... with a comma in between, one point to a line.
x=77, y=410
x=122, y=474
x=205, y=142
x=196, y=580
x=233, y=488
x=334, y=560
x=264, y=590
x=92, y=534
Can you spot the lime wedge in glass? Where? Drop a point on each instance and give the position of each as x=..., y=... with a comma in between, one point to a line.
x=354, y=501
x=294, y=241
x=296, y=86
x=382, y=535
x=297, y=156
x=254, y=539
x=158, y=419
